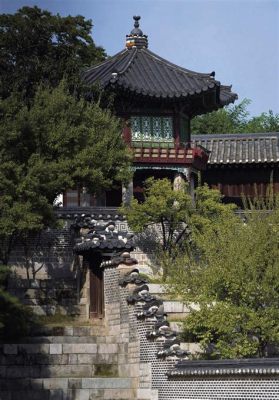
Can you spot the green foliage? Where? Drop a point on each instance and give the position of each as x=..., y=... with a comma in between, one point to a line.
x=57, y=143
x=165, y=210
x=15, y=319
x=38, y=47
x=235, y=119
x=230, y=280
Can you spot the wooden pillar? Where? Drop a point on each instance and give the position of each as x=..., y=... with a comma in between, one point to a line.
x=84, y=198
x=179, y=181
x=127, y=193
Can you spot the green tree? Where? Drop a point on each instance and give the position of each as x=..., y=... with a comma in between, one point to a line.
x=39, y=47
x=235, y=119
x=165, y=212
x=57, y=143
x=230, y=281
x=265, y=122
x=15, y=319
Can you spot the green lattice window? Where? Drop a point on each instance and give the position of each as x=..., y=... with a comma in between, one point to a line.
x=146, y=128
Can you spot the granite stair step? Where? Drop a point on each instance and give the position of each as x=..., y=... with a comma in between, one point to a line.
x=67, y=389
x=56, y=359
x=58, y=348
x=58, y=339
x=97, y=329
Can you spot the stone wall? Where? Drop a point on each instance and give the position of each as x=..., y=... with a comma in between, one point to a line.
x=74, y=362
x=161, y=379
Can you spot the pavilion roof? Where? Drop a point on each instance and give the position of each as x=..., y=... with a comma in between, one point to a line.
x=244, y=148
x=143, y=72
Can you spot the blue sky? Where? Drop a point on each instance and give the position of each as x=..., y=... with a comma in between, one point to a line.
x=238, y=39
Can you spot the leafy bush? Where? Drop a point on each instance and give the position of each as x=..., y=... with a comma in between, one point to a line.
x=15, y=319
x=230, y=281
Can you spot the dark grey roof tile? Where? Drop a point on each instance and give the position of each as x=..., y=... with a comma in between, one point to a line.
x=143, y=72
x=240, y=148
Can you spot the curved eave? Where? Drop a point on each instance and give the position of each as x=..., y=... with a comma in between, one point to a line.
x=141, y=72
x=227, y=96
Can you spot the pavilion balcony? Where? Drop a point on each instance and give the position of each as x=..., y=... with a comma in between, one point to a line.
x=189, y=156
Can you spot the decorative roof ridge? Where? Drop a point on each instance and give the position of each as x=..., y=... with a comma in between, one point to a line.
x=109, y=59
x=243, y=136
x=229, y=87
x=130, y=59
x=199, y=75
x=253, y=366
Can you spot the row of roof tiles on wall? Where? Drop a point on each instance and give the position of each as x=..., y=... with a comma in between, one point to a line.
x=240, y=148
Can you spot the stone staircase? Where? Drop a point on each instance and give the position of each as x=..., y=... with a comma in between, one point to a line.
x=67, y=363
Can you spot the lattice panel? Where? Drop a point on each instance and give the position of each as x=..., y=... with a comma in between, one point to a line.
x=152, y=128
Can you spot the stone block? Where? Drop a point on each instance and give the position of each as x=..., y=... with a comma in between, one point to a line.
x=36, y=384
x=16, y=372
x=96, y=394
x=56, y=394
x=144, y=394
x=123, y=348
x=106, y=370
x=122, y=358
x=10, y=349
x=107, y=358
x=81, y=331
x=120, y=394
x=101, y=339
x=68, y=331
x=176, y=326
x=155, y=288
x=70, y=371
x=60, y=359
x=73, y=359
x=55, y=383
x=74, y=383
x=106, y=383
x=129, y=370
x=79, y=348
x=34, y=348
x=77, y=394
x=175, y=307
x=55, y=348
x=107, y=348
x=87, y=358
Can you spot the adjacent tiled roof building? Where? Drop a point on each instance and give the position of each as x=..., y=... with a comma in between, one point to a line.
x=250, y=148
x=241, y=164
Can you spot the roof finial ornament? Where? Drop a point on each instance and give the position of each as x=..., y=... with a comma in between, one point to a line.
x=136, y=18
x=136, y=38
x=136, y=30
